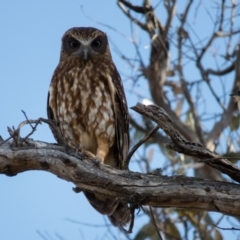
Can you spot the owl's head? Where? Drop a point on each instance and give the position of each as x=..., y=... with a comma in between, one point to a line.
x=84, y=43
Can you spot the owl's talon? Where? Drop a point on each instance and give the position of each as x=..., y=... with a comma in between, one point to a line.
x=88, y=154
x=78, y=148
x=97, y=162
x=67, y=148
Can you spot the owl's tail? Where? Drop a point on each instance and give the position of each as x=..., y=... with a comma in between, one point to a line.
x=118, y=213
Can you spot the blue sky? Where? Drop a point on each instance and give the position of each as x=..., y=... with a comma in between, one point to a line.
x=31, y=34
x=29, y=52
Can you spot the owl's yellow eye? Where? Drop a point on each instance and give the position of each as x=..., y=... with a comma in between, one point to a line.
x=74, y=44
x=96, y=43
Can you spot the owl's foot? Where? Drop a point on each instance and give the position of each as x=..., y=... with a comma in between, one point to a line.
x=78, y=148
x=102, y=150
x=87, y=153
x=96, y=162
x=68, y=149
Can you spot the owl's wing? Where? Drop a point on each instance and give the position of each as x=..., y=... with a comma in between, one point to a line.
x=51, y=105
x=49, y=109
x=122, y=119
x=54, y=124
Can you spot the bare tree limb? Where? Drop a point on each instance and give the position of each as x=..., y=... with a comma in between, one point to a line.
x=181, y=145
x=132, y=187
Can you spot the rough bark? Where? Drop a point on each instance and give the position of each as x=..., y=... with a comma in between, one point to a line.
x=136, y=188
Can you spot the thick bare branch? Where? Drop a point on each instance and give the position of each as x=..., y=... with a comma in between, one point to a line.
x=132, y=187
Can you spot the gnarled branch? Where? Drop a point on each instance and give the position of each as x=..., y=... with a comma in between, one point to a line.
x=132, y=187
x=182, y=145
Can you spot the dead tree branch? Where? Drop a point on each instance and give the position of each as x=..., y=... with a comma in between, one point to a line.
x=181, y=145
x=132, y=187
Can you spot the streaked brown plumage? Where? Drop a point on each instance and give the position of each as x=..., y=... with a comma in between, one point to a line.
x=87, y=100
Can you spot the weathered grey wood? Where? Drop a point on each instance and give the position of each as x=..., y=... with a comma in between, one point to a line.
x=144, y=189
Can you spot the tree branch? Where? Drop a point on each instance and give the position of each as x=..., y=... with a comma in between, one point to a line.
x=132, y=187
x=181, y=145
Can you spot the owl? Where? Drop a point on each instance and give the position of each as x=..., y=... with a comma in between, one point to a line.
x=87, y=102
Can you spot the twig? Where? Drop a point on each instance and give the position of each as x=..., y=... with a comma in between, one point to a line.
x=41, y=235
x=141, y=141
x=5, y=140
x=232, y=228
x=132, y=219
x=171, y=13
x=109, y=229
x=14, y=134
x=222, y=15
x=103, y=24
x=136, y=46
x=154, y=223
x=221, y=72
x=27, y=118
x=138, y=9
x=59, y=236
x=87, y=224
x=37, y=122
x=126, y=12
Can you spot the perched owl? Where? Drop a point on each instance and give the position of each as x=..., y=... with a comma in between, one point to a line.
x=87, y=101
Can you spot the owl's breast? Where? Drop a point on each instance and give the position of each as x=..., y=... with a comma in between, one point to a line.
x=85, y=109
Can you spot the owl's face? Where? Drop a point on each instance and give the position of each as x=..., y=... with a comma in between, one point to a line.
x=84, y=43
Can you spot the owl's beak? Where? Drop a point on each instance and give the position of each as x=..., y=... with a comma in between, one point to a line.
x=84, y=52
